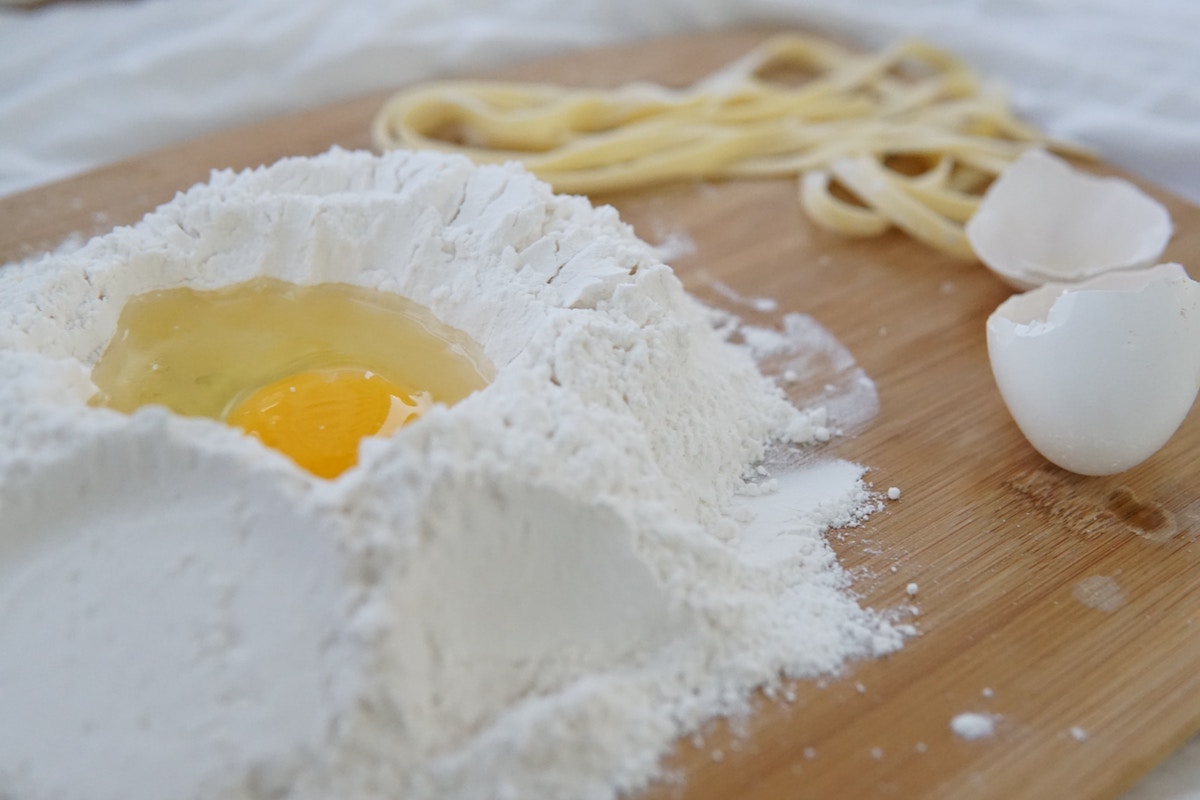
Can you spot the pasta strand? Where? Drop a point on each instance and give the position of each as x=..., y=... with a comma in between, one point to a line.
x=849, y=124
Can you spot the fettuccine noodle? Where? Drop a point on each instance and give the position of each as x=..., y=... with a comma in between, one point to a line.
x=906, y=137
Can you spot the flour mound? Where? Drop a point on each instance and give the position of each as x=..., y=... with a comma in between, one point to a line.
x=532, y=593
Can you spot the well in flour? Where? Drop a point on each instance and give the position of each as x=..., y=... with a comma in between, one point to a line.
x=534, y=592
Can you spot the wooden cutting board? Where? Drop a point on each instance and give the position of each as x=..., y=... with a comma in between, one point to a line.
x=1092, y=690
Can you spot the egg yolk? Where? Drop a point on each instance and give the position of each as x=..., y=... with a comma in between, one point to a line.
x=308, y=370
x=317, y=418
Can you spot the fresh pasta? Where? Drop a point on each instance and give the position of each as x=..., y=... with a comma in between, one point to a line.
x=905, y=137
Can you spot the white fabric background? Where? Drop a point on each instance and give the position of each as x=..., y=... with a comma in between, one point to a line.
x=82, y=83
x=87, y=82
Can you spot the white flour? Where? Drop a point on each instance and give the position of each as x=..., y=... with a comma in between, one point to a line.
x=814, y=368
x=971, y=725
x=530, y=594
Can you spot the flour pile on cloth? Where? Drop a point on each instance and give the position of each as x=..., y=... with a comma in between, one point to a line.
x=531, y=593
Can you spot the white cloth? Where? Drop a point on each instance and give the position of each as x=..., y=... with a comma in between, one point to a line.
x=85, y=83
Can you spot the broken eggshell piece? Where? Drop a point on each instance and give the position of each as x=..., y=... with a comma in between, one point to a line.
x=1099, y=375
x=1045, y=221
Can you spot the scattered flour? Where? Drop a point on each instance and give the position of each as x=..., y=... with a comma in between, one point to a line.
x=674, y=246
x=533, y=593
x=763, y=305
x=815, y=368
x=1099, y=592
x=970, y=725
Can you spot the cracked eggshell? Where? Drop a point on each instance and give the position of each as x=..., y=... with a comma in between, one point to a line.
x=1099, y=375
x=1044, y=221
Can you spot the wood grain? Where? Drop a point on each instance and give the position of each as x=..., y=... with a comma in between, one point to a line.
x=997, y=539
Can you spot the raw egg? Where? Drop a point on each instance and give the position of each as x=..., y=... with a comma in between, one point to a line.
x=307, y=370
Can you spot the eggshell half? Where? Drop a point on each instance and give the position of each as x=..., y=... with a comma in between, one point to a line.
x=1044, y=221
x=1099, y=375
